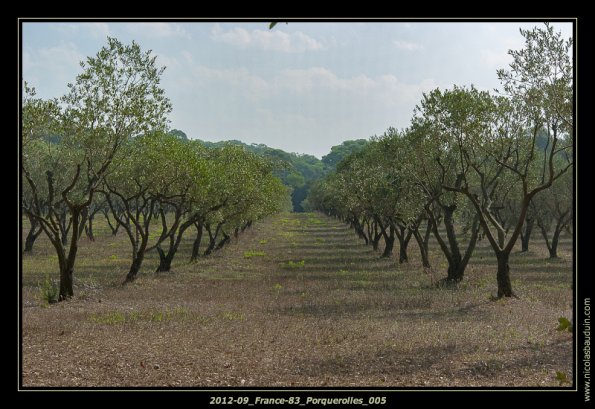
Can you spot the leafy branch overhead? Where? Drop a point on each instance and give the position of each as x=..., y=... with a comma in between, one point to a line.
x=273, y=24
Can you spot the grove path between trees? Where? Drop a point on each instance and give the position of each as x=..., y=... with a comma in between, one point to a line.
x=298, y=300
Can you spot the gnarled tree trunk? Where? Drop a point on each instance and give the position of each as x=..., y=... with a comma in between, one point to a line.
x=34, y=232
x=89, y=227
x=113, y=227
x=457, y=262
x=67, y=261
x=503, y=275
x=526, y=233
x=423, y=249
x=389, y=241
x=164, y=260
x=552, y=245
x=226, y=238
x=134, y=268
x=212, y=238
x=404, y=235
x=197, y=240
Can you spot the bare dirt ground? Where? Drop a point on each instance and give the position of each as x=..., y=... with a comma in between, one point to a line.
x=298, y=300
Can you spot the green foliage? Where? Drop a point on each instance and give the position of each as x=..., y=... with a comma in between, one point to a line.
x=295, y=180
x=263, y=241
x=372, y=184
x=553, y=207
x=273, y=24
x=340, y=152
x=48, y=290
x=220, y=187
x=565, y=324
x=122, y=84
x=178, y=134
x=251, y=188
x=541, y=78
x=299, y=172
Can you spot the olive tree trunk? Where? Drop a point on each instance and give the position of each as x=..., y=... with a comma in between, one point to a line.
x=34, y=232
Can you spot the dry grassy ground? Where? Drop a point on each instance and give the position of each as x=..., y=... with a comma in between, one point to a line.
x=297, y=301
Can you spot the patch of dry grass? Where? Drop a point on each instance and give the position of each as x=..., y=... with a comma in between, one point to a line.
x=345, y=317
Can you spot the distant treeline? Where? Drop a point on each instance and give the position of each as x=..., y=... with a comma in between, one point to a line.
x=298, y=171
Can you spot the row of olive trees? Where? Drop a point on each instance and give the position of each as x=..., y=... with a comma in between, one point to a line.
x=473, y=160
x=182, y=185
x=103, y=147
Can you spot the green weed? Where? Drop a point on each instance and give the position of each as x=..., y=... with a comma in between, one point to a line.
x=250, y=254
x=175, y=313
x=295, y=264
x=288, y=234
x=562, y=378
x=108, y=318
x=233, y=316
x=118, y=317
x=157, y=316
x=565, y=324
x=48, y=291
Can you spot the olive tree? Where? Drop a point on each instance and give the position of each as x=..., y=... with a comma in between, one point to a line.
x=40, y=161
x=116, y=97
x=540, y=81
x=443, y=123
x=553, y=211
x=494, y=149
x=375, y=195
x=150, y=171
x=249, y=190
x=214, y=189
x=402, y=201
x=197, y=196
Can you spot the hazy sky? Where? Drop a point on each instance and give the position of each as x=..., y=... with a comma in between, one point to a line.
x=301, y=87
